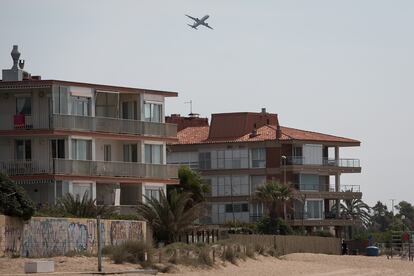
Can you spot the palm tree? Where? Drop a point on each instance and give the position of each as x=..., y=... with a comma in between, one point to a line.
x=273, y=193
x=285, y=194
x=169, y=217
x=357, y=210
x=83, y=208
x=268, y=195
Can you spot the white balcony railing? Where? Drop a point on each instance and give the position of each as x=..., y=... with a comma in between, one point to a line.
x=87, y=123
x=344, y=162
x=112, y=125
x=89, y=168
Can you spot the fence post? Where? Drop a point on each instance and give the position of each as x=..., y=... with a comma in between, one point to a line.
x=214, y=255
x=98, y=227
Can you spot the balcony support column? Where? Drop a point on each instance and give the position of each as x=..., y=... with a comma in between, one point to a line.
x=117, y=200
x=336, y=153
x=337, y=189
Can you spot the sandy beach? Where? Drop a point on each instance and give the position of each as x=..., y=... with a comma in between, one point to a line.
x=292, y=264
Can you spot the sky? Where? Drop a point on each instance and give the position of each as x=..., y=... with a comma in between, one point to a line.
x=338, y=67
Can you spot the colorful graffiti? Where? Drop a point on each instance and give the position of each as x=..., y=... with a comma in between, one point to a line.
x=44, y=237
x=122, y=231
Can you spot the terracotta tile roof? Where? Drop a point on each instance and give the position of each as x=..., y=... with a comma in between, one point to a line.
x=199, y=135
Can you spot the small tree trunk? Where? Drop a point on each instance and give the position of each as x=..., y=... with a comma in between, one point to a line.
x=284, y=210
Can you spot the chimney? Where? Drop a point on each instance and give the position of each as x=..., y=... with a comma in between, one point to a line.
x=278, y=132
x=16, y=73
x=263, y=110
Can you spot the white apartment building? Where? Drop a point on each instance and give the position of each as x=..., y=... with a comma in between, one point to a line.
x=59, y=137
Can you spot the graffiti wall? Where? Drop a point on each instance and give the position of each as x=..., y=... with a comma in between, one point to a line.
x=44, y=237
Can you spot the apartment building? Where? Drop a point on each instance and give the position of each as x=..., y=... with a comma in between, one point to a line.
x=59, y=137
x=238, y=152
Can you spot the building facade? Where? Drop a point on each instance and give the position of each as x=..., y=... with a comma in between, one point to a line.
x=238, y=152
x=59, y=137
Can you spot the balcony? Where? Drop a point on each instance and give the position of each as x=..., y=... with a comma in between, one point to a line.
x=328, y=218
x=301, y=160
x=327, y=188
x=87, y=123
x=89, y=168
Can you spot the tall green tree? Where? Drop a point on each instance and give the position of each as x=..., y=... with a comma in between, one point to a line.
x=406, y=211
x=272, y=194
x=190, y=182
x=14, y=200
x=169, y=217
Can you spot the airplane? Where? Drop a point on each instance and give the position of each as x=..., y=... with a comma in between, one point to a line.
x=199, y=22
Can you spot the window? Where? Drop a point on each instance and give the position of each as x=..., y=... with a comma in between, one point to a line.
x=205, y=160
x=106, y=104
x=24, y=105
x=23, y=149
x=58, y=148
x=314, y=209
x=80, y=106
x=237, y=208
x=153, y=112
x=81, y=149
x=60, y=99
x=153, y=154
x=256, y=181
x=80, y=189
x=131, y=153
x=258, y=158
x=129, y=110
x=152, y=192
x=107, y=153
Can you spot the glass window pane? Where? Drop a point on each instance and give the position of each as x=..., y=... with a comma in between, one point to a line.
x=148, y=156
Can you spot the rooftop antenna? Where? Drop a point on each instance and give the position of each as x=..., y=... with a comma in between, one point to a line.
x=191, y=106
x=192, y=115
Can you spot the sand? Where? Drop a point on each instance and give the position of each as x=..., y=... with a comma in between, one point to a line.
x=292, y=264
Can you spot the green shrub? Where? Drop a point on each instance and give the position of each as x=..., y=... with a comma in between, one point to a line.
x=324, y=233
x=14, y=200
x=273, y=226
x=119, y=255
x=272, y=252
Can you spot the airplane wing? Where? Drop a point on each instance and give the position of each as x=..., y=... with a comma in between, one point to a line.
x=193, y=18
x=208, y=26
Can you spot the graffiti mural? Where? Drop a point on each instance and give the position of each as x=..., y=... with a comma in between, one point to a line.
x=121, y=231
x=44, y=237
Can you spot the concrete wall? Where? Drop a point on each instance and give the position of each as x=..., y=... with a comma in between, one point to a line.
x=293, y=244
x=43, y=237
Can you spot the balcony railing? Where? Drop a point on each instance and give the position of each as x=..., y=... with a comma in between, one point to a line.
x=327, y=188
x=89, y=168
x=112, y=125
x=23, y=167
x=301, y=160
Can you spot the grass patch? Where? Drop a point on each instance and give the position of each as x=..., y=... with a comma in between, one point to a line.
x=229, y=255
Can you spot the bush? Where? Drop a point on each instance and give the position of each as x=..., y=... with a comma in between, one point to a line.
x=229, y=255
x=14, y=200
x=135, y=252
x=204, y=257
x=273, y=226
x=324, y=233
x=260, y=249
x=250, y=251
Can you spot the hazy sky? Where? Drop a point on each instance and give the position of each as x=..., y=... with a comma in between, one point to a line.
x=340, y=67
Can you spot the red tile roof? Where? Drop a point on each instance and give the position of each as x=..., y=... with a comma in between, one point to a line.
x=199, y=135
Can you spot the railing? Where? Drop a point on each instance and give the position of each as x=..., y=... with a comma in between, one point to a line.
x=23, y=167
x=112, y=125
x=114, y=169
x=301, y=160
x=89, y=168
x=327, y=188
x=323, y=215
